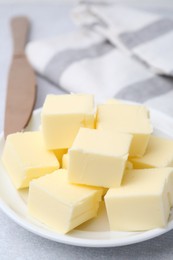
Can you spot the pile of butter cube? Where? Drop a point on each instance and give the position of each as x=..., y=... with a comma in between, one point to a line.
x=84, y=154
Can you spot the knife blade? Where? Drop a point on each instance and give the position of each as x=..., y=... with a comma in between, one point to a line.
x=21, y=89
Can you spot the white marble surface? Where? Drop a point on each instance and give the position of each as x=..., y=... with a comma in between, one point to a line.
x=15, y=242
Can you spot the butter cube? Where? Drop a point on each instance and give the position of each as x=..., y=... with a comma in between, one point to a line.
x=159, y=153
x=143, y=201
x=60, y=205
x=62, y=116
x=98, y=158
x=65, y=162
x=126, y=118
x=25, y=158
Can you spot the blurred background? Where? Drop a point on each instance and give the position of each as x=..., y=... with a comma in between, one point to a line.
x=50, y=18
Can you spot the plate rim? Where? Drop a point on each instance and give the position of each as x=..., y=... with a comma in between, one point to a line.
x=85, y=242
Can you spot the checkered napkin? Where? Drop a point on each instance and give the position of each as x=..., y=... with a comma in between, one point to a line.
x=116, y=52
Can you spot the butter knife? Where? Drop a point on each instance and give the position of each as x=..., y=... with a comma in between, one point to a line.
x=21, y=89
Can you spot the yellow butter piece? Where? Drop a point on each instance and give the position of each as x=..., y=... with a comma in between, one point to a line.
x=159, y=153
x=60, y=205
x=126, y=118
x=63, y=115
x=25, y=157
x=65, y=162
x=98, y=158
x=143, y=201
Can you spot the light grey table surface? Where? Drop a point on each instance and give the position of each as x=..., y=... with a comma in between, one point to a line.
x=15, y=242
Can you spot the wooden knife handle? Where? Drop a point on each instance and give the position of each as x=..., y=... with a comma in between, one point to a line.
x=20, y=28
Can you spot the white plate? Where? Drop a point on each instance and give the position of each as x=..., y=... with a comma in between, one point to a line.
x=93, y=233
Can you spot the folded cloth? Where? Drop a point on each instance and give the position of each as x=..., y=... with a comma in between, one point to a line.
x=145, y=35
x=103, y=55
